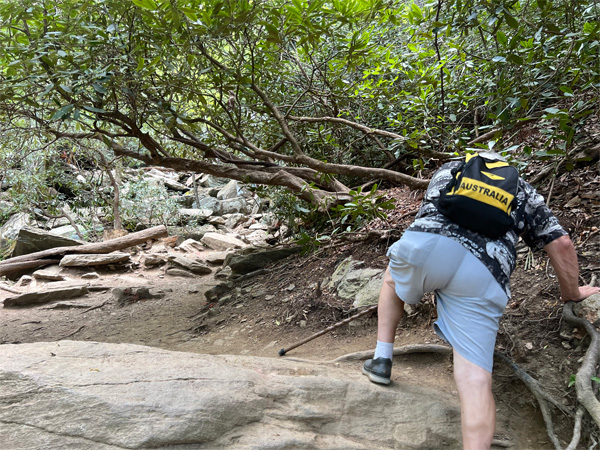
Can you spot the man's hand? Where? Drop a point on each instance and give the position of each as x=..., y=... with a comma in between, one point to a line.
x=564, y=260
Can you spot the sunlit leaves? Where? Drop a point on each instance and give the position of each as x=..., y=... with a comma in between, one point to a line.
x=146, y=4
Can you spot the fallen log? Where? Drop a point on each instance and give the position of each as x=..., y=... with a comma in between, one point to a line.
x=9, y=265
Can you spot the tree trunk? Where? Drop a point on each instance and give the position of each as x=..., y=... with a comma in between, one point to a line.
x=120, y=243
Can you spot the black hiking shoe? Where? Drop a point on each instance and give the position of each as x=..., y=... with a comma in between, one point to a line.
x=378, y=370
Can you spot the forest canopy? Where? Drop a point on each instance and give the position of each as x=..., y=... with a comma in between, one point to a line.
x=316, y=96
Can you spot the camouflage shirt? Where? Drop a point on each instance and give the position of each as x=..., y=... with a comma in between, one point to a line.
x=534, y=223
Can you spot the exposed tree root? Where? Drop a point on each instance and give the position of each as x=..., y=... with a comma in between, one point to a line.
x=583, y=379
x=543, y=398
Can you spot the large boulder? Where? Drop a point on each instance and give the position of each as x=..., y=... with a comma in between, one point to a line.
x=352, y=281
x=242, y=263
x=221, y=242
x=10, y=230
x=234, y=205
x=230, y=190
x=95, y=396
x=30, y=240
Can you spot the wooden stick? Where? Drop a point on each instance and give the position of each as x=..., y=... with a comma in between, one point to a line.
x=283, y=351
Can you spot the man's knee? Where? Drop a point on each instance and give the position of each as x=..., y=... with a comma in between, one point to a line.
x=469, y=375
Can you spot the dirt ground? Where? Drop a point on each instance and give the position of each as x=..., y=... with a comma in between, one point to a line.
x=290, y=302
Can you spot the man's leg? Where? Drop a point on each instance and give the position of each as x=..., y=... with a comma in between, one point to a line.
x=478, y=409
x=390, y=309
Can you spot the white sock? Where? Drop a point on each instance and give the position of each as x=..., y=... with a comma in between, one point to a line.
x=384, y=350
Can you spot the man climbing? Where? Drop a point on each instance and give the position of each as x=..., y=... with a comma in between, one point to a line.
x=469, y=273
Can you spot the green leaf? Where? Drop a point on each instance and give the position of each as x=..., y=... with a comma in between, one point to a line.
x=146, y=4
x=416, y=11
x=501, y=37
x=499, y=59
x=62, y=112
x=99, y=88
x=94, y=110
x=511, y=21
x=515, y=59
x=567, y=90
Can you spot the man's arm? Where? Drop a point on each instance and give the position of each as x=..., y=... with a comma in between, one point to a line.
x=563, y=258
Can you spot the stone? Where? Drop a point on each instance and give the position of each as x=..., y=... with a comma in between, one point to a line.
x=230, y=190
x=210, y=204
x=589, y=308
x=234, y=205
x=191, y=246
x=222, y=242
x=216, y=221
x=193, y=231
x=90, y=276
x=67, y=231
x=100, y=396
x=224, y=273
x=258, y=259
x=25, y=280
x=48, y=274
x=46, y=296
x=152, y=260
x=193, y=265
x=217, y=291
x=351, y=281
x=185, y=201
x=258, y=226
x=216, y=258
x=212, y=181
x=85, y=260
x=195, y=214
x=233, y=220
x=258, y=237
x=175, y=272
x=10, y=230
x=31, y=240
x=124, y=296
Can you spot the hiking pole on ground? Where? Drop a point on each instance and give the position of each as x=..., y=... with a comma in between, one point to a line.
x=370, y=309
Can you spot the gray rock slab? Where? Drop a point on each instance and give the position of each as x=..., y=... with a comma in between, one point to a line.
x=49, y=274
x=89, y=395
x=46, y=296
x=259, y=259
x=190, y=264
x=191, y=246
x=175, y=272
x=221, y=242
x=230, y=190
x=209, y=204
x=85, y=260
x=66, y=231
x=195, y=214
x=30, y=240
x=234, y=205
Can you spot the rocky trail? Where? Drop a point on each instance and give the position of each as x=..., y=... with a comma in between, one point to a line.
x=174, y=344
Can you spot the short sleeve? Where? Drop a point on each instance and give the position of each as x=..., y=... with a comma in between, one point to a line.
x=539, y=225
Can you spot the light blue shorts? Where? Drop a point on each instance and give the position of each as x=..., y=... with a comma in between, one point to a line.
x=470, y=301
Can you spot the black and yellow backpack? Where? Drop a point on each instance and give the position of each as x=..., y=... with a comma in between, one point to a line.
x=481, y=195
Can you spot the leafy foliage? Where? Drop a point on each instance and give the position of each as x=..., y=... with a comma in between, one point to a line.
x=315, y=95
